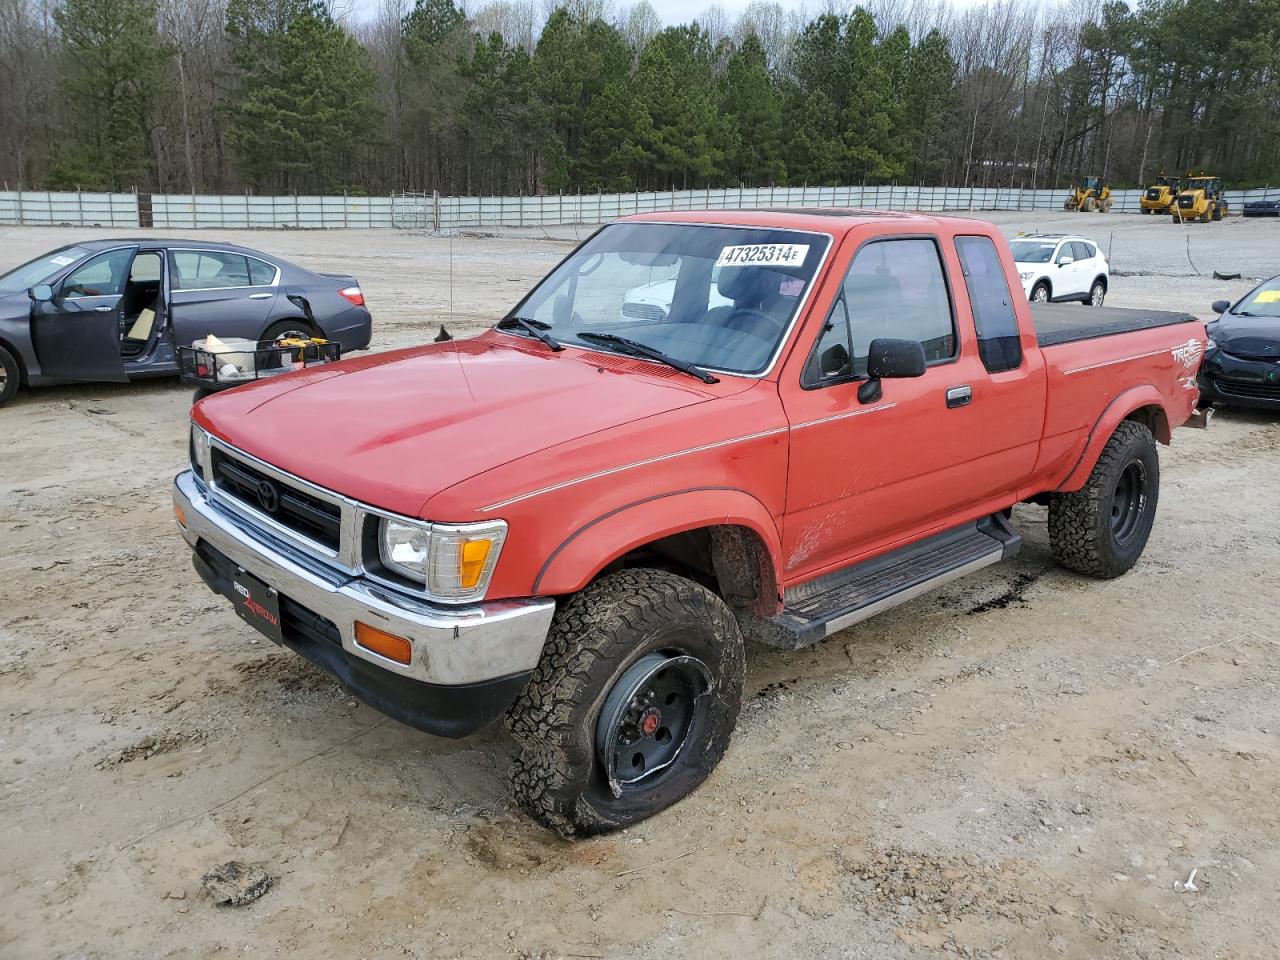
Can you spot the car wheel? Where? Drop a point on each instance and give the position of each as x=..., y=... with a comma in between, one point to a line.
x=1101, y=530
x=286, y=328
x=1097, y=294
x=631, y=706
x=1040, y=293
x=10, y=376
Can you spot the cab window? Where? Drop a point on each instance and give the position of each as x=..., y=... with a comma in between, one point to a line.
x=999, y=340
x=894, y=289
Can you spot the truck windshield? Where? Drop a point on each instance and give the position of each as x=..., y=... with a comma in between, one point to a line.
x=722, y=298
x=39, y=270
x=1032, y=251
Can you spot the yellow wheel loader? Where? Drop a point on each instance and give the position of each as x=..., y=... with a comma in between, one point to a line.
x=1161, y=196
x=1201, y=198
x=1089, y=194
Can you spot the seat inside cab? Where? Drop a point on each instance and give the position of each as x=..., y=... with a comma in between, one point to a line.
x=140, y=304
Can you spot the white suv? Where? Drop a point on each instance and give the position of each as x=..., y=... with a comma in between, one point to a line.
x=1057, y=268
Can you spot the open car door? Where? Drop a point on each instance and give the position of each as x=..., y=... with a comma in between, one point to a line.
x=76, y=329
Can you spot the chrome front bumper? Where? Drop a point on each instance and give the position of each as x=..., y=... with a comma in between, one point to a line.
x=451, y=645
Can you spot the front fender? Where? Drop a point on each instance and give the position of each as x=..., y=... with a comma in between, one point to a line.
x=584, y=552
x=1143, y=396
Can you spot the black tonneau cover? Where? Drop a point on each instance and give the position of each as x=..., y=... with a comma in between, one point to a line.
x=1068, y=322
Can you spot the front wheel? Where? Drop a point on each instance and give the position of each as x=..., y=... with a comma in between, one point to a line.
x=1040, y=293
x=631, y=706
x=10, y=376
x=1102, y=529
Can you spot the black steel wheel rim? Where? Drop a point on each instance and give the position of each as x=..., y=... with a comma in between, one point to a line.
x=649, y=718
x=1129, y=501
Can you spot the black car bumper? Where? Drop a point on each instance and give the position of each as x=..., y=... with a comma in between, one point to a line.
x=1238, y=382
x=444, y=710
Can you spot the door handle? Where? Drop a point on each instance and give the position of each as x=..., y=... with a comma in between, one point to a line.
x=103, y=309
x=959, y=396
x=261, y=296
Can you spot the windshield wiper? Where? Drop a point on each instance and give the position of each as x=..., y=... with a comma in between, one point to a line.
x=644, y=350
x=535, y=328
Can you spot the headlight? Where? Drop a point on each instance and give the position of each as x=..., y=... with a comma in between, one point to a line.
x=199, y=452
x=1026, y=276
x=450, y=561
x=1210, y=345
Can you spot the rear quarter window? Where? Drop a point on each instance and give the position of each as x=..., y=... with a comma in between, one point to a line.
x=994, y=317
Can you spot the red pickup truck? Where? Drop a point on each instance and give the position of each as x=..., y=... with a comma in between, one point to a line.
x=699, y=428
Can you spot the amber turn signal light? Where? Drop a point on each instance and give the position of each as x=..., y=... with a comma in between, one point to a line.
x=384, y=644
x=180, y=515
x=471, y=559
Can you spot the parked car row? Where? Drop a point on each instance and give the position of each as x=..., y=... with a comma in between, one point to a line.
x=119, y=309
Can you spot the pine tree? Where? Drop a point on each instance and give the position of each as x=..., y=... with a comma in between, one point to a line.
x=114, y=57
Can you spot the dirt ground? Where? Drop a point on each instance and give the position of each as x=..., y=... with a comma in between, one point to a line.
x=1023, y=765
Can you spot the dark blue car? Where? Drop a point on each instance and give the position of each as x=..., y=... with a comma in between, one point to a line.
x=118, y=309
x=1241, y=366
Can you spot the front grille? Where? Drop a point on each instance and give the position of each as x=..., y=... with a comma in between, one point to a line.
x=1153, y=194
x=1250, y=389
x=1186, y=201
x=309, y=516
x=644, y=311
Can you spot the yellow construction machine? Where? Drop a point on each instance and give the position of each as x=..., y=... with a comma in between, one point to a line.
x=1089, y=194
x=1161, y=195
x=1201, y=198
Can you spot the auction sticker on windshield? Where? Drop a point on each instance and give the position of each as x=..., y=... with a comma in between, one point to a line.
x=763, y=254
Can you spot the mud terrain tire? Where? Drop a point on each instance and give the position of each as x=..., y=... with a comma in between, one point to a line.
x=598, y=640
x=1101, y=530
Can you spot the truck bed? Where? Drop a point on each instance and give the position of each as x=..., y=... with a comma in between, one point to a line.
x=1058, y=323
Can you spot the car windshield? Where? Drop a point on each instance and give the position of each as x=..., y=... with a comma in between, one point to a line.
x=1033, y=251
x=718, y=297
x=1263, y=301
x=39, y=270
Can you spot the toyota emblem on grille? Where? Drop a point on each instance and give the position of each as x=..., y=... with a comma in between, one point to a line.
x=268, y=496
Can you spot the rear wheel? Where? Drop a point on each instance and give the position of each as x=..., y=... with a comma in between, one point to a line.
x=10, y=376
x=1101, y=530
x=1097, y=294
x=1088, y=205
x=283, y=329
x=631, y=706
x=1217, y=212
x=1040, y=293
x=1146, y=209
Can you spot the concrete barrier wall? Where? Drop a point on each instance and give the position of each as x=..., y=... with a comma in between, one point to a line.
x=433, y=212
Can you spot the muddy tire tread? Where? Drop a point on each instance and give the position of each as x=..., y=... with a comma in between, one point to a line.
x=1075, y=519
x=544, y=779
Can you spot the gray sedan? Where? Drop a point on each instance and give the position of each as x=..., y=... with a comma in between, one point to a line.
x=118, y=309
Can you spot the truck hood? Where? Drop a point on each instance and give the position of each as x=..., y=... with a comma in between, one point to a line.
x=394, y=429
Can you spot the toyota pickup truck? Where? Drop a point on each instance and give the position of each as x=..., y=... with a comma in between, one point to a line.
x=576, y=520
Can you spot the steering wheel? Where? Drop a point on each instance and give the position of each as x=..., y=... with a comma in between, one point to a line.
x=757, y=323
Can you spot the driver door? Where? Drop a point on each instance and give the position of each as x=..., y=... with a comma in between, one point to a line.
x=76, y=334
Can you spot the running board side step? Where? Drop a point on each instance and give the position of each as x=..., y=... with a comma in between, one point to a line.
x=815, y=610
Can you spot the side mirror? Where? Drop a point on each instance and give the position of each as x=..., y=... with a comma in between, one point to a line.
x=1221, y=306
x=41, y=293
x=889, y=359
x=1066, y=259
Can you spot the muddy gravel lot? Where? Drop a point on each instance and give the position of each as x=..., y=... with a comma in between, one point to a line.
x=1026, y=764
